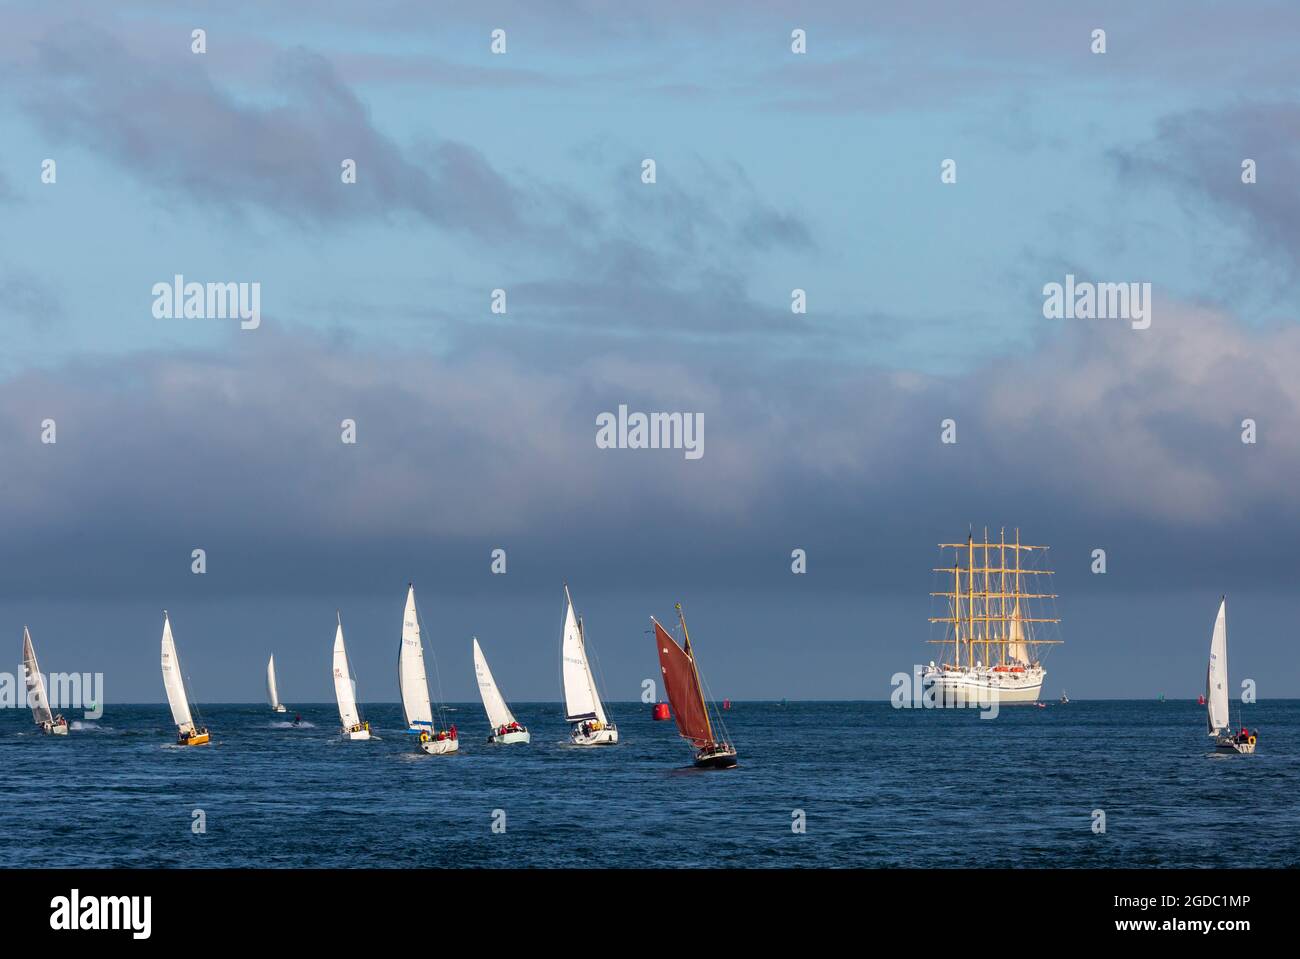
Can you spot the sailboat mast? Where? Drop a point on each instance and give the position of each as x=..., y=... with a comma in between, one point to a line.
x=970, y=596
x=1002, y=593
x=699, y=687
x=956, y=612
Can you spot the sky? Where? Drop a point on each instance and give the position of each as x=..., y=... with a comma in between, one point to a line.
x=522, y=171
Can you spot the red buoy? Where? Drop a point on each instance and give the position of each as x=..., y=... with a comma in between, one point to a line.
x=660, y=711
x=726, y=704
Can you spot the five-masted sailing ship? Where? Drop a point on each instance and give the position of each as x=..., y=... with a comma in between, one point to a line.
x=1216, y=692
x=582, y=705
x=505, y=728
x=686, y=693
x=414, y=684
x=990, y=624
x=188, y=734
x=48, y=722
x=345, y=690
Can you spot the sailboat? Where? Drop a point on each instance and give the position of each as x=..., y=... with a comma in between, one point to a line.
x=415, y=687
x=1064, y=698
x=187, y=733
x=1216, y=692
x=272, y=694
x=505, y=728
x=582, y=705
x=989, y=606
x=345, y=690
x=685, y=692
x=36, y=697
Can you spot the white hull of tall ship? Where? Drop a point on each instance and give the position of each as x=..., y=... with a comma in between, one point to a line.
x=505, y=739
x=607, y=736
x=962, y=687
x=440, y=747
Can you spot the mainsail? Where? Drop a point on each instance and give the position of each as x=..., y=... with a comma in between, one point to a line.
x=498, y=713
x=343, y=687
x=580, y=698
x=172, y=681
x=1216, y=675
x=683, y=684
x=410, y=669
x=36, y=697
x=271, y=692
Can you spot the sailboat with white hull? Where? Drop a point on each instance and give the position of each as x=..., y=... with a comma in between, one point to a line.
x=1216, y=693
x=188, y=734
x=686, y=693
x=345, y=690
x=414, y=684
x=582, y=705
x=989, y=607
x=505, y=728
x=272, y=693
x=49, y=722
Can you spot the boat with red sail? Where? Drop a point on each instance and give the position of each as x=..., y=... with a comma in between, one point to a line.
x=686, y=693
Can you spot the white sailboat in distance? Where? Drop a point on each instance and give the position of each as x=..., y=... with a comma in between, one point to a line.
x=1216, y=693
x=582, y=705
x=188, y=734
x=36, y=697
x=414, y=684
x=505, y=728
x=273, y=694
x=345, y=691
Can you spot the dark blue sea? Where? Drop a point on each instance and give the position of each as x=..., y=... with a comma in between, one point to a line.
x=878, y=787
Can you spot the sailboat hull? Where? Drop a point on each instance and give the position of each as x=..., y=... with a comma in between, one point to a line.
x=968, y=687
x=279, y=709
x=519, y=736
x=57, y=730
x=716, y=759
x=440, y=747
x=198, y=739
x=601, y=737
x=358, y=736
x=1226, y=744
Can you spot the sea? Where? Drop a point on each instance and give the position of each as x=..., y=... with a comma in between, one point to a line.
x=1089, y=784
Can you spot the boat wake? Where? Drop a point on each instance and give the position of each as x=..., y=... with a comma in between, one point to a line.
x=288, y=725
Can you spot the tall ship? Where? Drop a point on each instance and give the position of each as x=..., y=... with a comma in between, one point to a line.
x=995, y=619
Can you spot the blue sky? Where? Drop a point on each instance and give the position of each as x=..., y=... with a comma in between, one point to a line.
x=522, y=171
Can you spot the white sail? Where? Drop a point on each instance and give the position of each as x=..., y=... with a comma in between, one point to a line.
x=410, y=669
x=36, y=697
x=343, y=687
x=271, y=692
x=498, y=713
x=1216, y=675
x=580, y=698
x=172, y=681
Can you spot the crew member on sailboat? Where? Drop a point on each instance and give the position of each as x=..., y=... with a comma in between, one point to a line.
x=187, y=733
x=36, y=697
x=686, y=693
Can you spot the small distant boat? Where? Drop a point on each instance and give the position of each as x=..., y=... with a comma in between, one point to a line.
x=1216, y=692
x=582, y=705
x=272, y=694
x=686, y=693
x=54, y=725
x=505, y=728
x=414, y=684
x=188, y=734
x=345, y=690
x=1064, y=698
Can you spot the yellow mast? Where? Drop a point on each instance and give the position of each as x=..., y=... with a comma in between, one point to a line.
x=1002, y=590
x=699, y=687
x=956, y=613
x=970, y=590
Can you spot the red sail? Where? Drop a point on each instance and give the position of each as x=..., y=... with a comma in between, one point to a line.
x=683, y=689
